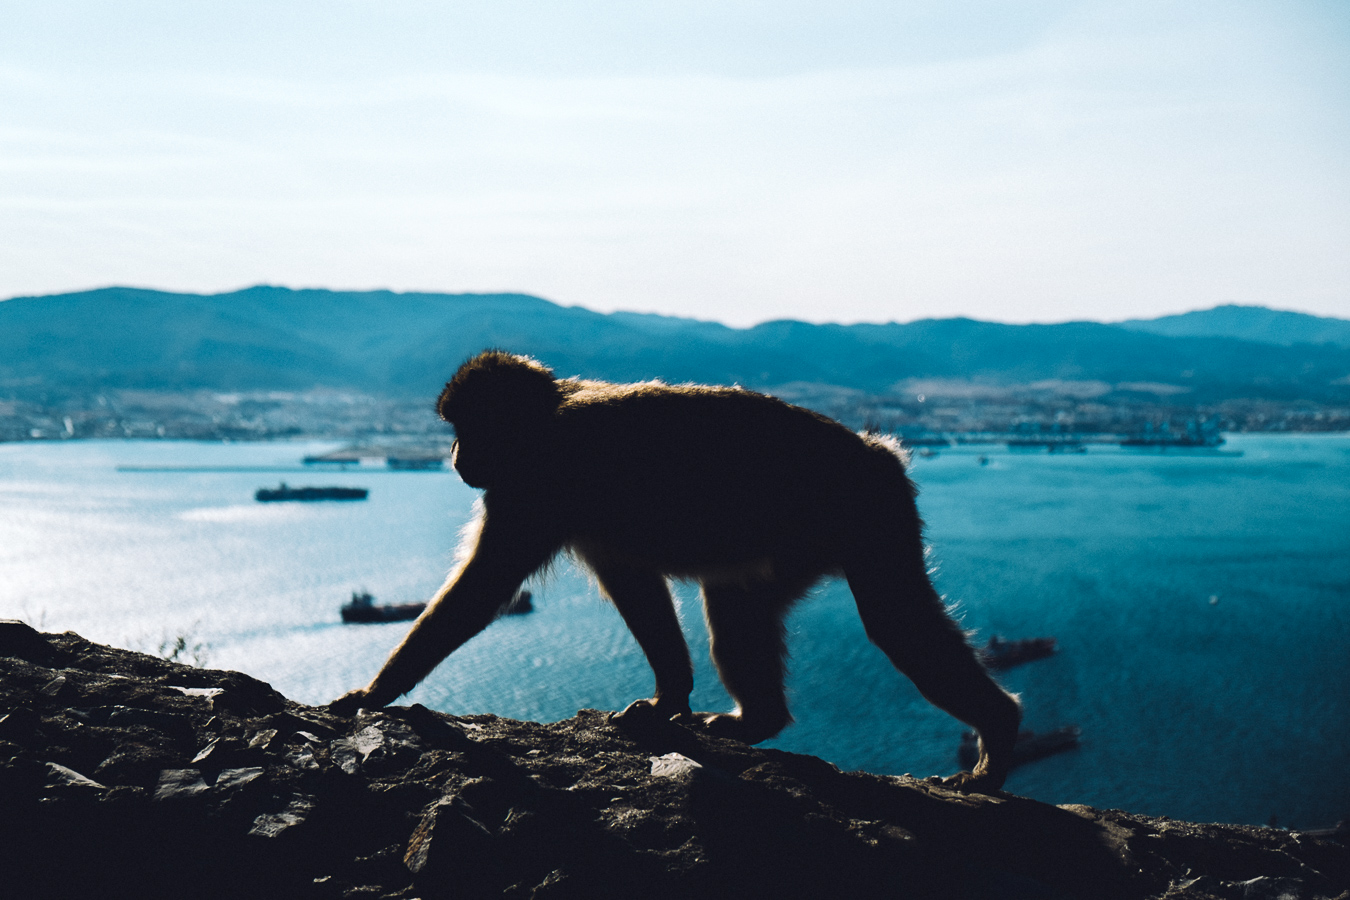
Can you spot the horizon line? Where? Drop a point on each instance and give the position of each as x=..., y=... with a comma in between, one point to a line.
x=635, y=312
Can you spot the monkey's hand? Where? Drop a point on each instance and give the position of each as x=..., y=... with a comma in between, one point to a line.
x=350, y=702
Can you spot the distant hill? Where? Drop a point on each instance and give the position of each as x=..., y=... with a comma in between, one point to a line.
x=409, y=343
x=1249, y=323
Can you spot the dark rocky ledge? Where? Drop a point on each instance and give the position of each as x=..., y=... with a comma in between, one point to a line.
x=122, y=775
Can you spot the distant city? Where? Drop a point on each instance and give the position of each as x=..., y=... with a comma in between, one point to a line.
x=929, y=413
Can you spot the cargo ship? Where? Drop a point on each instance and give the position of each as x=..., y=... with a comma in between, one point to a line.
x=362, y=608
x=308, y=494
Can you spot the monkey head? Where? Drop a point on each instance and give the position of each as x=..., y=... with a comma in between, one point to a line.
x=499, y=404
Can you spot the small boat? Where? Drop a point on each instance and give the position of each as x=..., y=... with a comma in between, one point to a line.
x=414, y=463
x=1163, y=442
x=308, y=494
x=1029, y=748
x=363, y=608
x=342, y=460
x=1001, y=654
x=1193, y=435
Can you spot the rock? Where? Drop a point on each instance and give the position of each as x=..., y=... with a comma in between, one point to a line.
x=226, y=751
x=176, y=725
x=22, y=641
x=230, y=779
x=273, y=825
x=53, y=687
x=153, y=780
x=262, y=739
x=180, y=784
x=350, y=752
x=1265, y=887
x=58, y=776
x=450, y=846
x=135, y=763
x=302, y=758
x=18, y=724
x=379, y=746
x=672, y=764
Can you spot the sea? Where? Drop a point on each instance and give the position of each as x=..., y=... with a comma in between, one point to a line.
x=1201, y=604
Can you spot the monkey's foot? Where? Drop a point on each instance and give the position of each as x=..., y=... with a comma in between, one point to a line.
x=350, y=702
x=653, y=710
x=737, y=726
x=972, y=783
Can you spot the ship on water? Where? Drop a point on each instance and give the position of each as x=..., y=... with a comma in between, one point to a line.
x=1194, y=434
x=308, y=494
x=363, y=608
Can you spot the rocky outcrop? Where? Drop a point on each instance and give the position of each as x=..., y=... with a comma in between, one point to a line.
x=123, y=775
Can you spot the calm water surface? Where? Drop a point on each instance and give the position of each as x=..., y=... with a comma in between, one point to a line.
x=1231, y=710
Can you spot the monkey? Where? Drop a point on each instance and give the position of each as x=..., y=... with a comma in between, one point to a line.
x=754, y=498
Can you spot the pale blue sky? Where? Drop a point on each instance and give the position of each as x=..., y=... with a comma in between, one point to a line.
x=841, y=161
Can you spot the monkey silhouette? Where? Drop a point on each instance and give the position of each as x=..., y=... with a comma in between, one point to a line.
x=753, y=498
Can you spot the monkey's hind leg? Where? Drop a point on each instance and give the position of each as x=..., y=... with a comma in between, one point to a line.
x=745, y=635
x=643, y=599
x=906, y=618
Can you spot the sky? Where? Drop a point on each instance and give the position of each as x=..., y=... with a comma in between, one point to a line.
x=737, y=161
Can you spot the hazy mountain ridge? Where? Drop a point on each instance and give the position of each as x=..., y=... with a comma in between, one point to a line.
x=1249, y=323
x=406, y=344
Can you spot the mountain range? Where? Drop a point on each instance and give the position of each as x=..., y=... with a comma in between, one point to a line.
x=403, y=344
x=1249, y=323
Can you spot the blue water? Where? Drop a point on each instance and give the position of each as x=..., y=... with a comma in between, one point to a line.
x=1234, y=710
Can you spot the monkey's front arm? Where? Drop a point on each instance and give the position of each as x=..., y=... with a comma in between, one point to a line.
x=506, y=553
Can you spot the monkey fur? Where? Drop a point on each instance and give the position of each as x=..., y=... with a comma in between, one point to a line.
x=752, y=497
